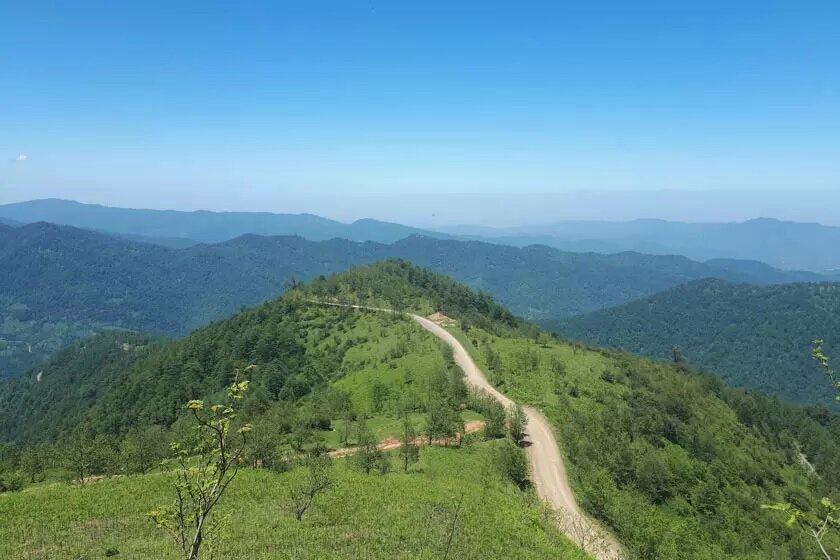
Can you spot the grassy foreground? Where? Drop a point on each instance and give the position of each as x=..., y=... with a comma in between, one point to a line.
x=362, y=516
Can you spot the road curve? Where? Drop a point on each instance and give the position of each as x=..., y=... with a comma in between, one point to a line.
x=548, y=471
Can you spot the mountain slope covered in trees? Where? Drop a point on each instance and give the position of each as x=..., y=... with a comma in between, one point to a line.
x=321, y=378
x=758, y=337
x=674, y=463
x=61, y=284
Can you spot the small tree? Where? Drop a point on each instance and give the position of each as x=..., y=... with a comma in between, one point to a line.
x=142, y=450
x=79, y=454
x=495, y=418
x=513, y=464
x=516, y=424
x=203, y=471
x=442, y=422
x=368, y=455
x=409, y=450
x=316, y=479
x=32, y=463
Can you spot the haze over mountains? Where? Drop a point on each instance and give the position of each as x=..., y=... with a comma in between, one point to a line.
x=171, y=227
x=782, y=244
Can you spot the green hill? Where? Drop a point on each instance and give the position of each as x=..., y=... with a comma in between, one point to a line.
x=751, y=336
x=318, y=372
x=675, y=464
x=62, y=284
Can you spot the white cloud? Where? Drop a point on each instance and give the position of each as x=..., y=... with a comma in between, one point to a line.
x=20, y=158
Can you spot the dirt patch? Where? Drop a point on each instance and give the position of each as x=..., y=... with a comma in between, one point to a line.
x=442, y=320
x=389, y=444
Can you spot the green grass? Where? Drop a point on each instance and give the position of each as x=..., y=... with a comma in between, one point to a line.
x=362, y=516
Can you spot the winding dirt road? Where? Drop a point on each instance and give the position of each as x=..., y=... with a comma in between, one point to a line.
x=548, y=471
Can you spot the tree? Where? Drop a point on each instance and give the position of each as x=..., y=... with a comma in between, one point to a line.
x=79, y=454
x=442, y=422
x=203, y=470
x=824, y=364
x=368, y=455
x=495, y=424
x=513, y=464
x=142, y=450
x=316, y=479
x=516, y=423
x=409, y=450
x=378, y=396
x=31, y=463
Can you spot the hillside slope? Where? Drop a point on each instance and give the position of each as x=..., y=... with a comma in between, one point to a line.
x=62, y=284
x=676, y=465
x=751, y=336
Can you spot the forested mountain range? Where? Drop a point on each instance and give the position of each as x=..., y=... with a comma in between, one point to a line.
x=177, y=228
x=751, y=336
x=783, y=244
x=676, y=465
x=60, y=284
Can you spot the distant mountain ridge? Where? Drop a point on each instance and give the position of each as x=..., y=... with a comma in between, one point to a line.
x=782, y=244
x=178, y=228
x=757, y=337
x=61, y=284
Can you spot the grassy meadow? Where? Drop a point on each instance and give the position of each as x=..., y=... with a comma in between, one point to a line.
x=361, y=517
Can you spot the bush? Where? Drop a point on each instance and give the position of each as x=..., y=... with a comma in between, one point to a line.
x=513, y=464
x=12, y=481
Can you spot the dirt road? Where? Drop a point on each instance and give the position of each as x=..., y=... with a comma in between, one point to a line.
x=548, y=471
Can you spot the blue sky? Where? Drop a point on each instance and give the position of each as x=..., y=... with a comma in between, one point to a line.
x=390, y=108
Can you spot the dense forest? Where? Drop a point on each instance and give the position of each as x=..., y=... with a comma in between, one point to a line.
x=674, y=463
x=63, y=284
x=750, y=336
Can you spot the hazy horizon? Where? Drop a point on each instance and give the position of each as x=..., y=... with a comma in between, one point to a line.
x=431, y=115
x=512, y=211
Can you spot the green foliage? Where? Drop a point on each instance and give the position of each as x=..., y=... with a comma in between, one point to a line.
x=40, y=405
x=751, y=336
x=513, y=463
x=368, y=455
x=64, y=284
x=201, y=472
x=516, y=423
x=409, y=449
x=674, y=464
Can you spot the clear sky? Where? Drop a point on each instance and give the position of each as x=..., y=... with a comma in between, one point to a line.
x=424, y=111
